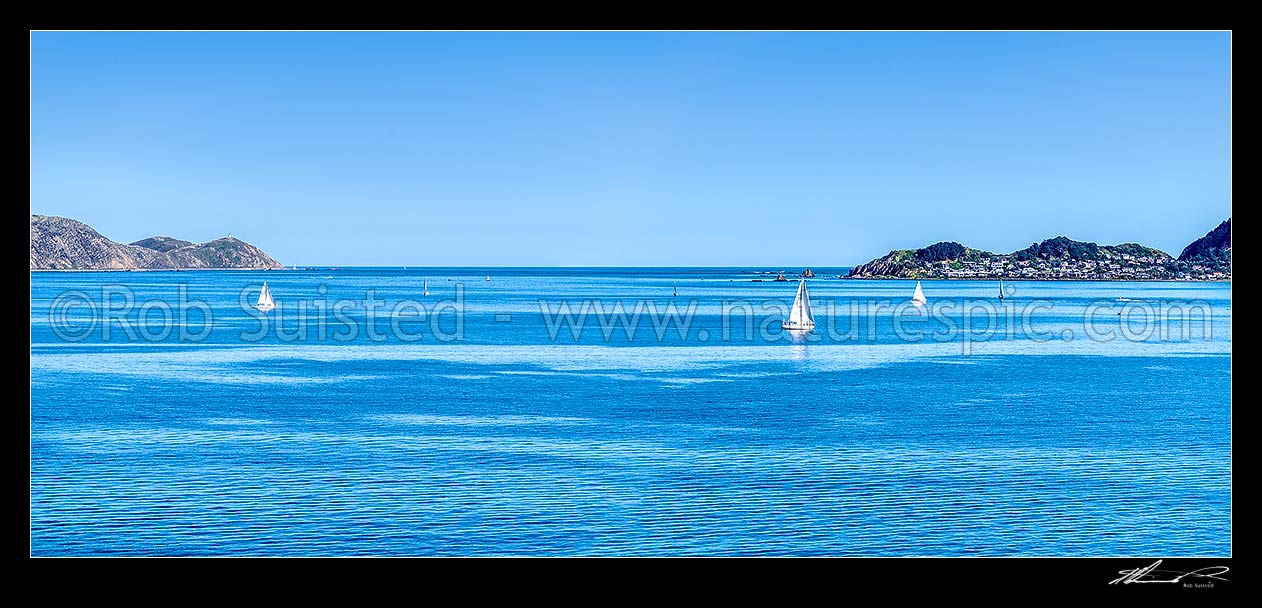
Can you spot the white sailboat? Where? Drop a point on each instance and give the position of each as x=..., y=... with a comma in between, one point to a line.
x=488, y=278
x=265, y=302
x=918, y=296
x=426, y=286
x=1000, y=289
x=800, y=318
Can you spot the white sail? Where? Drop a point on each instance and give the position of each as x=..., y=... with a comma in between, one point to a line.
x=919, y=296
x=426, y=283
x=265, y=299
x=800, y=317
x=1000, y=289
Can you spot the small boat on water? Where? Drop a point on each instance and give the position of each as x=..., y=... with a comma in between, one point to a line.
x=425, y=287
x=806, y=274
x=488, y=278
x=1000, y=289
x=800, y=317
x=676, y=292
x=780, y=277
x=918, y=296
x=265, y=302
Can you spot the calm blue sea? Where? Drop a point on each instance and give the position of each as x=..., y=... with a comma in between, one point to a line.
x=489, y=433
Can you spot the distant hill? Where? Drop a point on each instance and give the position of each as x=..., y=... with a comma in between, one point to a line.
x=1214, y=246
x=1209, y=258
x=59, y=243
x=161, y=243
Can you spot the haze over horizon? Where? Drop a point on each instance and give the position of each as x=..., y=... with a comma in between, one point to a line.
x=632, y=149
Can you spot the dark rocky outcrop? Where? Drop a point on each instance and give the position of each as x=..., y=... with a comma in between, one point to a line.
x=1215, y=245
x=59, y=243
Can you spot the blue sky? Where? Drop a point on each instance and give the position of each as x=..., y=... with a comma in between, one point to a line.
x=591, y=149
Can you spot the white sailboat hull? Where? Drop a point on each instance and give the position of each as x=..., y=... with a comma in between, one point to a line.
x=265, y=302
x=918, y=298
x=800, y=318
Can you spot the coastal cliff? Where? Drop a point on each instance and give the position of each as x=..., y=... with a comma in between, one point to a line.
x=59, y=243
x=1206, y=259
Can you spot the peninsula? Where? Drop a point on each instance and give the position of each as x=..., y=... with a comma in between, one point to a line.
x=1206, y=259
x=59, y=243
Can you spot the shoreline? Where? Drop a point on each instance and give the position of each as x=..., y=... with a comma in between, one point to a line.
x=148, y=269
x=323, y=269
x=1031, y=280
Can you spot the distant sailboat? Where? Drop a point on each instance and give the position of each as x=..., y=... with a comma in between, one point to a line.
x=918, y=296
x=1000, y=289
x=265, y=302
x=426, y=286
x=488, y=278
x=676, y=292
x=295, y=267
x=800, y=318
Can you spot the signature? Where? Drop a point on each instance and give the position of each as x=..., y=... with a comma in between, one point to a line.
x=1151, y=574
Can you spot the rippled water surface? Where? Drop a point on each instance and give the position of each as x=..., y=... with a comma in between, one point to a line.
x=508, y=442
